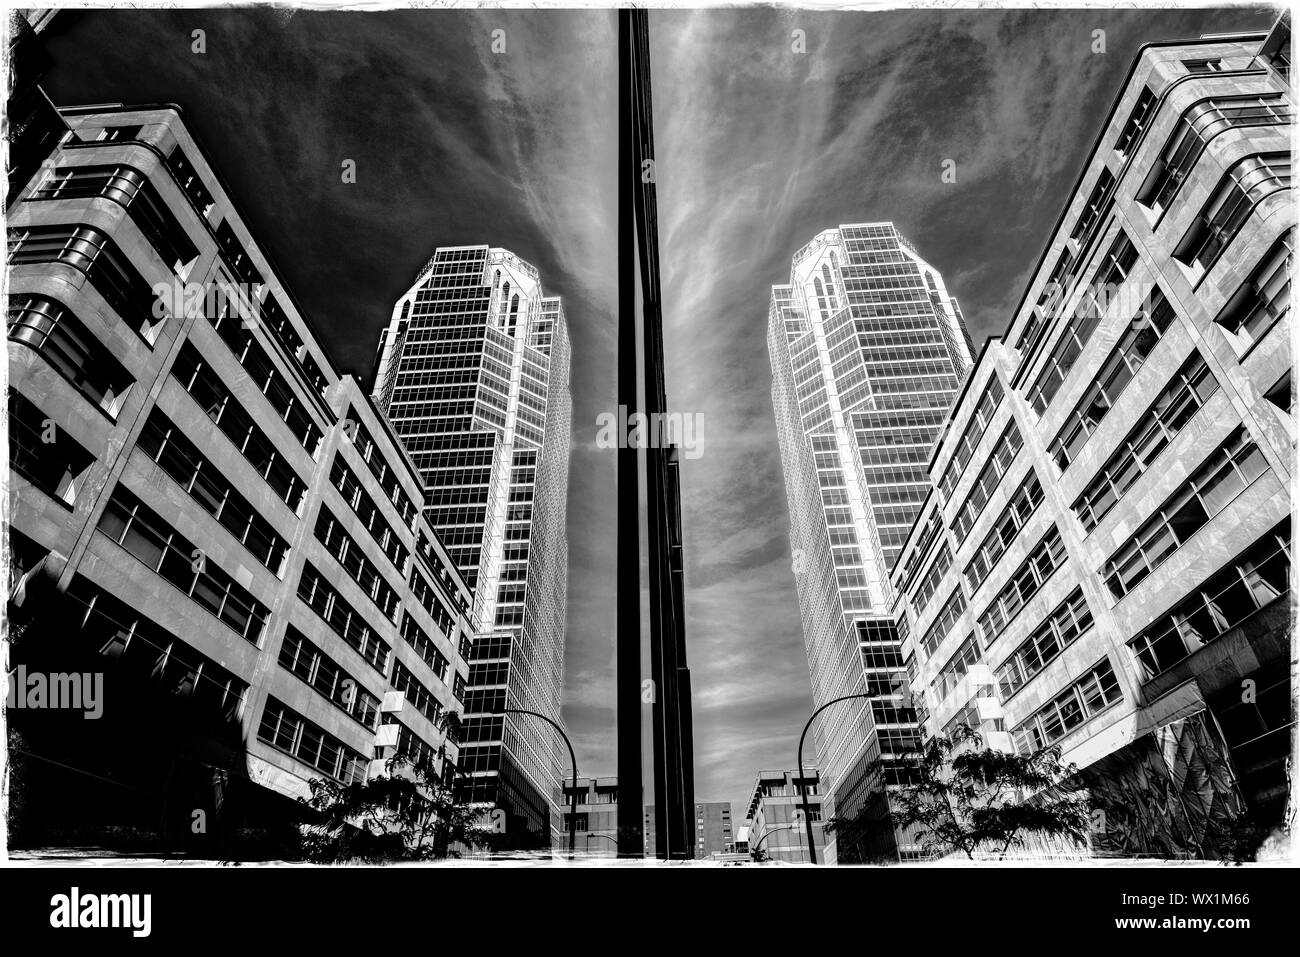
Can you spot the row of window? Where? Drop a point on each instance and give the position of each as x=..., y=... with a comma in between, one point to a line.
x=290, y=732
x=303, y=659
x=42, y=453
x=206, y=387
x=1000, y=458
x=1226, y=472
x=944, y=621
x=93, y=253
x=1086, y=698
x=1246, y=184
x=120, y=633
x=1047, y=556
x=345, y=481
x=51, y=329
x=1199, y=124
x=965, y=447
x=1066, y=622
x=321, y=597
x=1115, y=266
x=1254, y=579
x=933, y=576
x=1188, y=390
x=423, y=646
x=1013, y=518
x=264, y=375
x=167, y=445
x=139, y=530
x=379, y=468
x=331, y=533
x=416, y=693
x=1135, y=343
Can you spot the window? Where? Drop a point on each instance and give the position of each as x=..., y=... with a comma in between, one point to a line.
x=165, y=444
x=1130, y=352
x=1094, y=211
x=1196, y=127
x=1086, y=698
x=1186, y=392
x=302, y=658
x=50, y=329
x=1242, y=188
x=138, y=529
x=56, y=466
x=1004, y=531
x=321, y=597
x=1203, y=66
x=91, y=252
x=206, y=388
x=1231, y=467
x=1265, y=298
x=1000, y=458
x=1254, y=579
x=1067, y=621
x=290, y=732
x=1024, y=583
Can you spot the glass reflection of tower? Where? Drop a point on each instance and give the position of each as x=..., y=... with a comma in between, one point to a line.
x=868, y=352
x=473, y=371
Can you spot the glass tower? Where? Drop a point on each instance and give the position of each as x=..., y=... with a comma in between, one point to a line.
x=473, y=371
x=868, y=352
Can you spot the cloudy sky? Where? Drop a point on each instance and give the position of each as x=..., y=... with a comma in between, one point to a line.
x=759, y=148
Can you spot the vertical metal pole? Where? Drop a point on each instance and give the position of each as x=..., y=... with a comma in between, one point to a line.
x=628, y=575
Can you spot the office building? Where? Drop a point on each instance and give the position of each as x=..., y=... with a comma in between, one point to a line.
x=1103, y=562
x=713, y=829
x=775, y=826
x=597, y=831
x=473, y=372
x=868, y=350
x=202, y=508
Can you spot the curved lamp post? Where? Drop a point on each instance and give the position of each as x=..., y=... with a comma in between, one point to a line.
x=781, y=827
x=573, y=812
x=803, y=787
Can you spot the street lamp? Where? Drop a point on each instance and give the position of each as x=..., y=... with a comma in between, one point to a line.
x=573, y=812
x=612, y=840
x=780, y=827
x=803, y=787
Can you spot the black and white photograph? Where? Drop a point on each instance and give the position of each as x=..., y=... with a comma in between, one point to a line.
x=491, y=446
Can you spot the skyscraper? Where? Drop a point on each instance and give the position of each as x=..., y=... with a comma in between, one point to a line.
x=473, y=371
x=868, y=351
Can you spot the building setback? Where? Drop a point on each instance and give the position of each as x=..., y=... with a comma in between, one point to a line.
x=868, y=351
x=774, y=825
x=201, y=506
x=1103, y=563
x=473, y=372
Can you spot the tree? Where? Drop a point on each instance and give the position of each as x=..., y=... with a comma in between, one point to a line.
x=393, y=817
x=978, y=799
